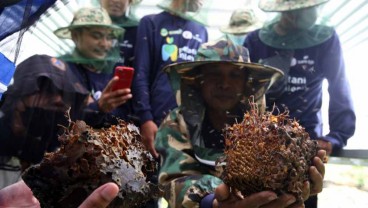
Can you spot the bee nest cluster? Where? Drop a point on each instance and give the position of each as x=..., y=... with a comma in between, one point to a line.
x=89, y=158
x=267, y=152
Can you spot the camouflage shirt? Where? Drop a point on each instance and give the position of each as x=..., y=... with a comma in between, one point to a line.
x=185, y=178
x=188, y=169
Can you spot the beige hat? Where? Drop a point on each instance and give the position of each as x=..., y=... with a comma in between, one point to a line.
x=135, y=2
x=85, y=17
x=287, y=5
x=242, y=21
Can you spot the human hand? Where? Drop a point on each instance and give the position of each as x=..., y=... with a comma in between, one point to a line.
x=101, y=197
x=20, y=195
x=266, y=199
x=110, y=99
x=148, y=132
x=317, y=173
x=325, y=145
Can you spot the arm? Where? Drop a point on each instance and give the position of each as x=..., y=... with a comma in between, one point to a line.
x=144, y=48
x=144, y=53
x=341, y=113
x=100, y=111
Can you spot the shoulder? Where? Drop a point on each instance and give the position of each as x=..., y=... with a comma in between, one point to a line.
x=252, y=40
x=253, y=36
x=153, y=17
x=153, y=20
x=175, y=121
x=332, y=41
x=175, y=116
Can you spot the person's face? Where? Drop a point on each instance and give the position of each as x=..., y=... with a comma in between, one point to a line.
x=222, y=85
x=115, y=8
x=93, y=42
x=33, y=110
x=301, y=18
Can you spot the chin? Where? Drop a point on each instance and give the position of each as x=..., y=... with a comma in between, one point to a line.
x=99, y=57
x=224, y=106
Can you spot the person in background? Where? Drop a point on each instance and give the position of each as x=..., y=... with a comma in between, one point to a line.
x=308, y=52
x=92, y=61
x=122, y=14
x=163, y=38
x=32, y=113
x=16, y=16
x=20, y=195
x=242, y=22
x=214, y=92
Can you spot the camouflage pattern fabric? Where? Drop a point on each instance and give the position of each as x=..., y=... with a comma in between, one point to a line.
x=242, y=21
x=186, y=181
x=88, y=17
x=188, y=169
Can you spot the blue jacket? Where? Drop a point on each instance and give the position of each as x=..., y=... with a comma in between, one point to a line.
x=302, y=94
x=126, y=45
x=161, y=39
x=95, y=83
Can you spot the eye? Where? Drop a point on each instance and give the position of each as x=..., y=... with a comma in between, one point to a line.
x=110, y=37
x=97, y=36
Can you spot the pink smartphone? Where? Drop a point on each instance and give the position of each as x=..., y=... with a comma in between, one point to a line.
x=125, y=75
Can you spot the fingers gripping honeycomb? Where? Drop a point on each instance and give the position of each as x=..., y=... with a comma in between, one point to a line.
x=89, y=158
x=267, y=152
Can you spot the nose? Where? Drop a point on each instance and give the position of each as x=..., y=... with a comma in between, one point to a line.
x=57, y=99
x=106, y=42
x=224, y=82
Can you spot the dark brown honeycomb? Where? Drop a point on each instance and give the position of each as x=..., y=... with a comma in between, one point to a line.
x=267, y=152
x=89, y=158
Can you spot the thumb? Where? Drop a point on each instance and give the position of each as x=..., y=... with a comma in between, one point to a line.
x=101, y=197
x=111, y=83
x=222, y=192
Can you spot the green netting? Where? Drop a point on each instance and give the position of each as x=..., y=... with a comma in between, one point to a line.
x=309, y=28
x=129, y=19
x=195, y=10
x=105, y=65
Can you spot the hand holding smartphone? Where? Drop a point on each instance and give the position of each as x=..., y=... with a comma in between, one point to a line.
x=125, y=75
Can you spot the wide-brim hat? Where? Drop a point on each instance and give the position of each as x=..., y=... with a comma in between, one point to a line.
x=287, y=5
x=135, y=2
x=261, y=77
x=89, y=17
x=50, y=68
x=242, y=21
x=38, y=69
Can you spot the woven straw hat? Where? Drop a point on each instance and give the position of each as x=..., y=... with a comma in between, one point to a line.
x=287, y=5
x=85, y=17
x=242, y=21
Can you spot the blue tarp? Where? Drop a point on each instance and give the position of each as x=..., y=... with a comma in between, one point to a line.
x=21, y=15
x=13, y=19
x=7, y=69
